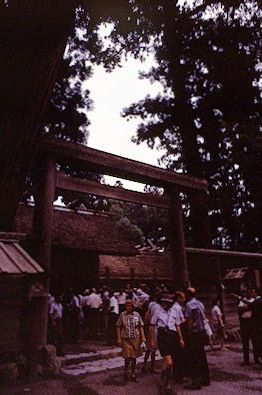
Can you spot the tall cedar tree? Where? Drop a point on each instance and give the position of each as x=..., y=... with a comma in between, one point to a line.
x=208, y=58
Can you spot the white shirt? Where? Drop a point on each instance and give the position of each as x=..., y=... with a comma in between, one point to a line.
x=94, y=301
x=114, y=305
x=121, y=297
x=74, y=302
x=153, y=309
x=179, y=313
x=142, y=297
x=56, y=311
x=246, y=314
x=216, y=314
x=165, y=319
x=135, y=300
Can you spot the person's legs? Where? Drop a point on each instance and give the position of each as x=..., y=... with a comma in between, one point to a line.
x=91, y=323
x=127, y=364
x=167, y=372
x=153, y=362
x=178, y=362
x=203, y=364
x=222, y=339
x=109, y=331
x=147, y=354
x=195, y=364
x=165, y=351
x=96, y=323
x=111, y=334
x=85, y=312
x=256, y=344
x=133, y=369
x=114, y=328
x=59, y=337
x=245, y=340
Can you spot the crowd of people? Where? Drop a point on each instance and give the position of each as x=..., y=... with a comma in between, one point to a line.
x=137, y=318
x=93, y=313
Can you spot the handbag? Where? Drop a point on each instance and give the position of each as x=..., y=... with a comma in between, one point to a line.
x=207, y=326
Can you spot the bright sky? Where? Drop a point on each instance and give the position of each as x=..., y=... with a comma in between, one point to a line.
x=111, y=92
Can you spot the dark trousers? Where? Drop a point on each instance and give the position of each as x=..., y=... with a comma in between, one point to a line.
x=86, y=319
x=111, y=334
x=198, y=360
x=73, y=325
x=179, y=356
x=122, y=308
x=93, y=323
x=58, y=335
x=246, y=335
x=179, y=361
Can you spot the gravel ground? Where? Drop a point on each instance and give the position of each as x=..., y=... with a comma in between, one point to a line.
x=227, y=376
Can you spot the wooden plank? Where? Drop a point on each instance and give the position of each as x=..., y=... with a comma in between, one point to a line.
x=64, y=182
x=103, y=162
x=28, y=258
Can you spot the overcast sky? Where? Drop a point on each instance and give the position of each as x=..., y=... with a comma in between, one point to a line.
x=111, y=92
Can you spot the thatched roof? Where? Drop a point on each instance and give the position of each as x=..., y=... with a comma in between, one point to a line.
x=141, y=267
x=82, y=230
x=202, y=265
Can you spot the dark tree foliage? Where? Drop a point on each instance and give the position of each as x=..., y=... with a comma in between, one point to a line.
x=208, y=57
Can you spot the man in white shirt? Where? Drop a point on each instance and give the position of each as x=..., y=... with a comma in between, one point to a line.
x=121, y=297
x=94, y=302
x=135, y=299
x=245, y=318
x=56, y=315
x=179, y=355
x=150, y=334
x=218, y=324
x=113, y=316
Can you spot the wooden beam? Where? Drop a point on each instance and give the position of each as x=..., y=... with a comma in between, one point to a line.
x=64, y=182
x=105, y=163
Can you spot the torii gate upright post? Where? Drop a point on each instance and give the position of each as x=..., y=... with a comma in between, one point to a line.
x=43, y=223
x=42, y=231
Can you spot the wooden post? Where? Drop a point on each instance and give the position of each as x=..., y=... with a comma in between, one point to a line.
x=43, y=222
x=42, y=229
x=201, y=229
x=178, y=248
x=220, y=288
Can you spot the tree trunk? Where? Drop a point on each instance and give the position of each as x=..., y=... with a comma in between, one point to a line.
x=177, y=238
x=201, y=234
x=33, y=37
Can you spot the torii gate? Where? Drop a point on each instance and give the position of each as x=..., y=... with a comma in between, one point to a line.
x=49, y=179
